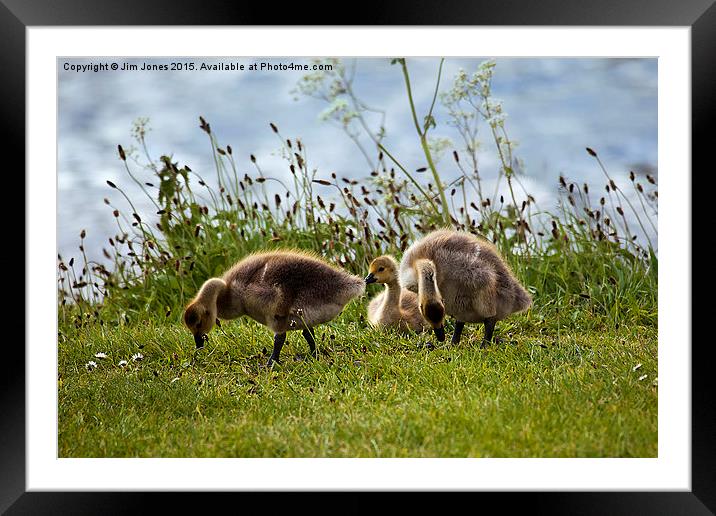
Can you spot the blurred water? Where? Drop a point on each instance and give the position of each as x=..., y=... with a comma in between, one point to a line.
x=556, y=108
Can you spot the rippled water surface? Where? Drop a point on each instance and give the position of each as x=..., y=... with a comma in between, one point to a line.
x=555, y=107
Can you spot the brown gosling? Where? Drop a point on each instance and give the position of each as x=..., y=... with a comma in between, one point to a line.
x=457, y=273
x=283, y=290
x=394, y=306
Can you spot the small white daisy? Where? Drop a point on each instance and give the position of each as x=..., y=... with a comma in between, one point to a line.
x=91, y=365
x=122, y=363
x=100, y=355
x=137, y=356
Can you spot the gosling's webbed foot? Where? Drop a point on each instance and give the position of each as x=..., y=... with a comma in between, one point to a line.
x=271, y=362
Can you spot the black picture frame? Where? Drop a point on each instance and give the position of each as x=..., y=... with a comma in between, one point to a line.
x=699, y=15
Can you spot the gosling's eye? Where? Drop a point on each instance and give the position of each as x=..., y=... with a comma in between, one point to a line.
x=381, y=269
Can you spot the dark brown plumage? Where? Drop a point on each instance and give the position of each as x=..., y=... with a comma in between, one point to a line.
x=283, y=290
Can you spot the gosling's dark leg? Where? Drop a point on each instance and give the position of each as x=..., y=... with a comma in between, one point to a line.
x=278, y=341
x=489, y=328
x=458, y=332
x=308, y=335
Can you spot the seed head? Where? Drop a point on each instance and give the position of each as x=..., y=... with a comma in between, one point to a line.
x=204, y=126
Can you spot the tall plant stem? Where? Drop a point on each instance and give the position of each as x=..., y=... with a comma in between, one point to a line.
x=422, y=133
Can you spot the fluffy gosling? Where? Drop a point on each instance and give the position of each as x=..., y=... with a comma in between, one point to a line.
x=464, y=276
x=394, y=306
x=283, y=290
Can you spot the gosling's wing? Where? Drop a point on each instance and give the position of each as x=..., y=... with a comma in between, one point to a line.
x=312, y=282
x=408, y=301
x=374, y=307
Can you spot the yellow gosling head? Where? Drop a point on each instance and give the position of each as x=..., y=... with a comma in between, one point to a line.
x=383, y=269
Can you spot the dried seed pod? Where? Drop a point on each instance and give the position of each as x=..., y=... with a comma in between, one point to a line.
x=204, y=126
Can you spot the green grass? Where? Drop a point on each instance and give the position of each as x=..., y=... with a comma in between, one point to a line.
x=548, y=389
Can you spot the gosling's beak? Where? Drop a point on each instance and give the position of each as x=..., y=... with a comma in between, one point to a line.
x=200, y=339
x=440, y=333
x=369, y=279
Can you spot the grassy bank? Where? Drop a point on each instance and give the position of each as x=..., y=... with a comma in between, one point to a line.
x=539, y=392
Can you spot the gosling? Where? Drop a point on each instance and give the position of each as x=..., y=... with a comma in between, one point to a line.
x=394, y=306
x=464, y=276
x=283, y=290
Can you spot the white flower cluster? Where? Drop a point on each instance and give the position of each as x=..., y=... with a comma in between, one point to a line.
x=438, y=146
x=314, y=84
x=465, y=86
x=92, y=365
